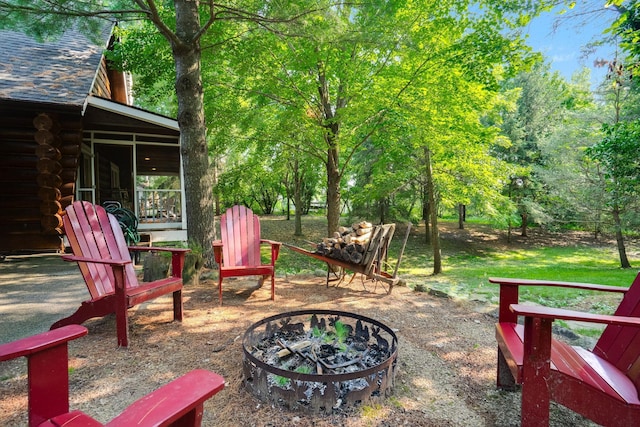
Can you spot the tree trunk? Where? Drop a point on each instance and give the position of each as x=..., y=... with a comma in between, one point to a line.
x=433, y=215
x=622, y=251
x=195, y=154
x=331, y=128
x=525, y=220
x=297, y=198
x=333, y=191
x=461, y=215
x=216, y=196
x=425, y=214
x=383, y=207
x=288, y=208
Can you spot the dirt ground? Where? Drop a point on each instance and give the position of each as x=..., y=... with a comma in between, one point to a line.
x=445, y=373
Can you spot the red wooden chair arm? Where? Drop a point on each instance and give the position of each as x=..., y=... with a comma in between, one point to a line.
x=270, y=242
x=112, y=262
x=217, y=251
x=275, y=249
x=563, y=314
x=47, y=370
x=177, y=256
x=181, y=399
x=574, y=285
x=40, y=342
x=509, y=289
x=158, y=249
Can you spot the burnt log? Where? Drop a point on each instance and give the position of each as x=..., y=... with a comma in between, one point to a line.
x=356, y=257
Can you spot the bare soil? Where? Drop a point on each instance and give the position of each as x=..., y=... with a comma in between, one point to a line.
x=445, y=374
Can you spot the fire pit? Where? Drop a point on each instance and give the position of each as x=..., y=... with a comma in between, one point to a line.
x=319, y=360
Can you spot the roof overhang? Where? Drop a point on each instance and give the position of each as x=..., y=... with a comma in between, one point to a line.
x=131, y=112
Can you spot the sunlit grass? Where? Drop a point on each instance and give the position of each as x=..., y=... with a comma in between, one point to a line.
x=467, y=266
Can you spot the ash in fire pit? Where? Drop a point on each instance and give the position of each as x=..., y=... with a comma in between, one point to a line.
x=319, y=359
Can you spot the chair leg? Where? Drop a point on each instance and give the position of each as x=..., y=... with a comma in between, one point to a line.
x=535, y=373
x=121, y=307
x=122, y=327
x=177, y=306
x=273, y=286
x=505, y=380
x=220, y=288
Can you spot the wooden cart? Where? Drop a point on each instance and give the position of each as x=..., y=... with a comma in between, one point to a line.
x=373, y=264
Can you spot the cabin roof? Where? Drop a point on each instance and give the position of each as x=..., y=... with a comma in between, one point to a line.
x=60, y=71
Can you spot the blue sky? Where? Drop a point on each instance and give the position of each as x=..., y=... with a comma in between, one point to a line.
x=562, y=47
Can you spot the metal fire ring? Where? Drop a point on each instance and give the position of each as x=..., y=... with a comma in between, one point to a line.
x=386, y=368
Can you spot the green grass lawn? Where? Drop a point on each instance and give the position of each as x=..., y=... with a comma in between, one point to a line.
x=469, y=276
x=468, y=265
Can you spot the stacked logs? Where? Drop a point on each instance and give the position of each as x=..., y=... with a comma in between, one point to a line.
x=49, y=169
x=348, y=243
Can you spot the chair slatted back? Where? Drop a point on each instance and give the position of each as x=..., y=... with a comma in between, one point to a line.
x=620, y=345
x=94, y=233
x=240, y=233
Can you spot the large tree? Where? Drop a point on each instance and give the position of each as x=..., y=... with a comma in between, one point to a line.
x=343, y=72
x=618, y=155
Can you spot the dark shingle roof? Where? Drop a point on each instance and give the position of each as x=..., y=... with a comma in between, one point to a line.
x=61, y=71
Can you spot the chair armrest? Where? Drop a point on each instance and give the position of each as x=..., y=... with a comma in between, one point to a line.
x=36, y=343
x=217, y=251
x=275, y=249
x=177, y=256
x=270, y=242
x=562, y=314
x=172, y=401
x=574, y=285
x=114, y=262
x=509, y=289
x=158, y=249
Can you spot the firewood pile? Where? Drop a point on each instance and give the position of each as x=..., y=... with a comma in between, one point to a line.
x=348, y=243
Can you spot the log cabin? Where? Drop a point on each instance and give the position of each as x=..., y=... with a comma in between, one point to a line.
x=69, y=131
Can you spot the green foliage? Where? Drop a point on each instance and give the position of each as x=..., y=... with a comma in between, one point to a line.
x=143, y=52
x=627, y=25
x=49, y=19
x=369, y=64
x=619, y=155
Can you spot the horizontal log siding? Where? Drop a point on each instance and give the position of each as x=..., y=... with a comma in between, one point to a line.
x=27, y=222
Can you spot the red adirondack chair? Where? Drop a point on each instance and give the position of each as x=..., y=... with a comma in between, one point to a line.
x=102, y=254
x=179, y=403
x=601, y=384
x=238, y=251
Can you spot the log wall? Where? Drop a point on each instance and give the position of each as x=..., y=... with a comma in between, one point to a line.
x=39, y=153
